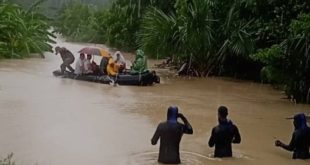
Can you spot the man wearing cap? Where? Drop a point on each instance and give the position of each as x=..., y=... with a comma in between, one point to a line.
x=67, y=58
x=170, y=133
x=224, y=134
x=300, y=141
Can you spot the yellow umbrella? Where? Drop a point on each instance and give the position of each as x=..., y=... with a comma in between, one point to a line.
x=105, y=53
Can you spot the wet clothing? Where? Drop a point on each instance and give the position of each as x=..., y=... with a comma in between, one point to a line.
x=119, y=58
x=88, y=67
x=79, y=66
x=112, y=68
x=103, y=65
x=222, y=136
x=140, y=64
x=67, y=58
x=300, y=141
x=170, y=134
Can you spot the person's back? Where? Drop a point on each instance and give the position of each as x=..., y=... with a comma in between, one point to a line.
x=170, y=134
x=103, y=65
x=223, y=135
x=66, y=54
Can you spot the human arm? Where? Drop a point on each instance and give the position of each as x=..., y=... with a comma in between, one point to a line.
x=237, y=137
x=187, y=126
x=212, y=138
x=156, y=136
x=289, y=147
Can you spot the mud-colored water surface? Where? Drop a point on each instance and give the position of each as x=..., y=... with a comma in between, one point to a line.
x=46, y=120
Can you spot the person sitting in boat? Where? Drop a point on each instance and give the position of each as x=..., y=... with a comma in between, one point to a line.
x=79, y=65
x=88, y=65
x=112, y=68
x=103, y=65
x=120, y=61
x=140, y=64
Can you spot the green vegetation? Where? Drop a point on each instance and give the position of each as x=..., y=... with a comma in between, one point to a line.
x=254, y=39
x=51, y=7
x=23, y=32
x=77, y=21
x=288, y=63
x=7, y=160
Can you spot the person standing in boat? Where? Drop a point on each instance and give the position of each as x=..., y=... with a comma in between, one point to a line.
x=80, y=65
x=224, y=134
x=67, y=58
x=170, y=133
x=300, y=141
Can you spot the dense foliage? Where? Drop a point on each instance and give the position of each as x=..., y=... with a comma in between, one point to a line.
x=77, y=21
x=288, y=63
x=256, y=39
x=23, y=32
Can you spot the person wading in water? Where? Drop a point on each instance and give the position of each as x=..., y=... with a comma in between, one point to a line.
x=224, y=134
x=300, y=141
x=170, y=133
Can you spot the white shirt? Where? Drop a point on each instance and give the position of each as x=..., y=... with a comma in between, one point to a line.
x=79, y=66
x=87, y=66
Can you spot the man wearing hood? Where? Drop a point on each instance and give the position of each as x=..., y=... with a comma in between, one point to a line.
x=300, y=141
x=224, y=134
x=170, y=133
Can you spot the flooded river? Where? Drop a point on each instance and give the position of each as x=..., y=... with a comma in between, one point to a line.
x=46, y=120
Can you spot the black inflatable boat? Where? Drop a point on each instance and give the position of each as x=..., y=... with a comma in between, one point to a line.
x=147, y=78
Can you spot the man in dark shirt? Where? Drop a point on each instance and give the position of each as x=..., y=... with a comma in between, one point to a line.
x=224, y=134
x=170, y=133
x=300, y=139
x=67, y=58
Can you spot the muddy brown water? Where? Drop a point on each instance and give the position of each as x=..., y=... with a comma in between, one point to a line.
x=46, y=120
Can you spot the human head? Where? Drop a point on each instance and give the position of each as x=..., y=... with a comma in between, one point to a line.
x=82, y=56
x=57, y=50
x=172, y=114
x=222, y=113
x=139, y=53
x=118, y=55
x=300, y=121
x=89, y=56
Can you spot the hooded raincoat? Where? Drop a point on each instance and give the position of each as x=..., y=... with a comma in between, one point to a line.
x=300, y=141
x=170, y=133
x=140, y=64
